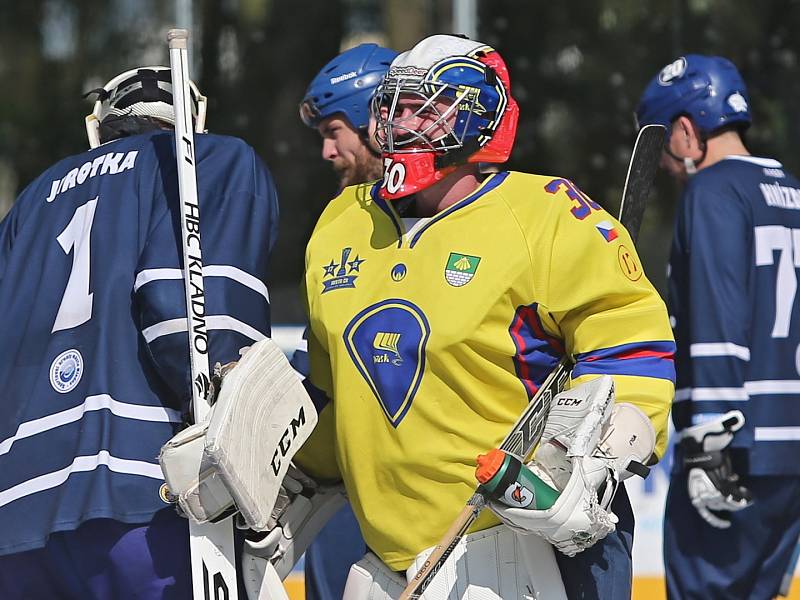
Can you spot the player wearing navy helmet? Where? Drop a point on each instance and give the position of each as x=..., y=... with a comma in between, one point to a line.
x=96, y=377
x=697, y=97
x=439, y=299
x=732, y=516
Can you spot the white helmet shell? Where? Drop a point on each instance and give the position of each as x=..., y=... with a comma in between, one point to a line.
x=142, y=92
x=433, y=49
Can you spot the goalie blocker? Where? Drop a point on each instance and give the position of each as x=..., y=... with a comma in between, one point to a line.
x=237, y=459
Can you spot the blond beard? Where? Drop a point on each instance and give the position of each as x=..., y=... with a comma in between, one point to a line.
x=366, y=167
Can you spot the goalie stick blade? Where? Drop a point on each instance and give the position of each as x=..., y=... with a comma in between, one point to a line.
x=641, y=172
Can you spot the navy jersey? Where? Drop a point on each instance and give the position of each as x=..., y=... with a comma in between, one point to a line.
x=733, y=304
x=95, y=370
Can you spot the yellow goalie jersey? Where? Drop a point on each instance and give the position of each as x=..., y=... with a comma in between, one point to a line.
x=430, y=337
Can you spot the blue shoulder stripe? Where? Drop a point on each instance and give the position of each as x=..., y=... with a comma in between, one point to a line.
x=643, y=359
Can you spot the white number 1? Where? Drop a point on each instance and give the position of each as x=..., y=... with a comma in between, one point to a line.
x=76, y=303
x=769, y=238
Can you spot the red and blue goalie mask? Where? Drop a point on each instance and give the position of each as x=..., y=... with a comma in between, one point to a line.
x=434, y=113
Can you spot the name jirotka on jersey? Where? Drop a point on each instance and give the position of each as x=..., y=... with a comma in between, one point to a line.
x=111, y=163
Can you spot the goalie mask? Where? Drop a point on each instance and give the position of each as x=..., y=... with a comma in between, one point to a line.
x=444, y=103
x=143, y=92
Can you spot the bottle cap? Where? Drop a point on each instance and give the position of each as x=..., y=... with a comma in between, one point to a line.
x=489, y=464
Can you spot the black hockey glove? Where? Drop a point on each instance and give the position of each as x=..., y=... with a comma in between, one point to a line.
x=714, y=488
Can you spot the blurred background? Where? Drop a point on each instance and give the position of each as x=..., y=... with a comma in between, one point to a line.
x=577, y=70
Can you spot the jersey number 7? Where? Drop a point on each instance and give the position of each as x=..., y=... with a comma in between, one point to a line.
x=769, y=238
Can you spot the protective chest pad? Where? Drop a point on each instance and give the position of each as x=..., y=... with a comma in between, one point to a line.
x=386, y=342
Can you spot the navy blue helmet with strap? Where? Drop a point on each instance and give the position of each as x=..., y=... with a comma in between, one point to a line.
x=708, y=89
x=346, y=85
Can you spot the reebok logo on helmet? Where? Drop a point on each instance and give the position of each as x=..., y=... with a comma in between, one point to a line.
x=345, y=77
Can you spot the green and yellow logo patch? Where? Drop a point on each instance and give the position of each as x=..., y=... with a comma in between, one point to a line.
x=460, y=268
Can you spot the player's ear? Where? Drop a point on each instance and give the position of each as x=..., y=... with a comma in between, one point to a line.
x=688, y=134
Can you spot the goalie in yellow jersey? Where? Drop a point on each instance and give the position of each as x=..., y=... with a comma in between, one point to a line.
x=439, y=299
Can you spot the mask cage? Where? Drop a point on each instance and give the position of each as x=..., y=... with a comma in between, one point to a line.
x=445, y=127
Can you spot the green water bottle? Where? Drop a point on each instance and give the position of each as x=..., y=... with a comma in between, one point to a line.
x=504, y=478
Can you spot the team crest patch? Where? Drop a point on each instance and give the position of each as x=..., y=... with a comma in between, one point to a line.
x=607, y=230
x=66, y=371
x=342, y=274
x=460, y=268
x=386, y=342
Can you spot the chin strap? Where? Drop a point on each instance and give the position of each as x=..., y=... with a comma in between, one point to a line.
x=689, y=163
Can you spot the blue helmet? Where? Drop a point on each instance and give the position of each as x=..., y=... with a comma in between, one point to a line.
x=708, y=89
x=346, y=85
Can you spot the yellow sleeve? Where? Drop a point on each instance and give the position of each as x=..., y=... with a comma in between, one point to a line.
x=599, y=301
x=317, y=457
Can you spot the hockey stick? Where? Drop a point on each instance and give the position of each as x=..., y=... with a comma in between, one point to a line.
x=211, y=544
x=641, y=172
x=528, y=430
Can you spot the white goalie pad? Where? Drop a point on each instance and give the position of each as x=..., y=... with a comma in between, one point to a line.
x=493, y=564
x=262, y=416
x=270, y=584
x=280, y=549
x=261, y=419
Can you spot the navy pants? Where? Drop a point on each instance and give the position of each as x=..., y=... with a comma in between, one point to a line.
x=745, y=561
x=104, y=559
x=331, y=554
x=604, y=571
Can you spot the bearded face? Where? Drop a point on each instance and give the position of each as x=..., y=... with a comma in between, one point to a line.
x=352, y=158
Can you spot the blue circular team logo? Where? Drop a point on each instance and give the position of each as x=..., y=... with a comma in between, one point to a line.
x=66, y=371
x=399, y=272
